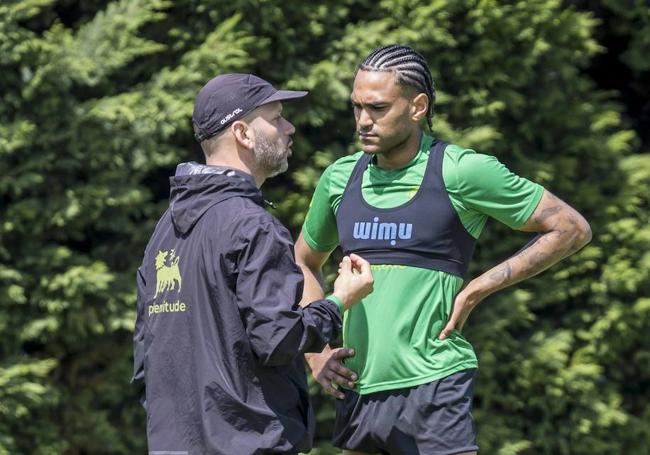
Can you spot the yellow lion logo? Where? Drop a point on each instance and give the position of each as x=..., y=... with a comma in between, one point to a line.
x=167, y=276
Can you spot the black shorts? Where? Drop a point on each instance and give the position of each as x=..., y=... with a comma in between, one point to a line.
x=431, y=419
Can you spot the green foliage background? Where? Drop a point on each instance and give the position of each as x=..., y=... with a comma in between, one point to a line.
x=95, y=113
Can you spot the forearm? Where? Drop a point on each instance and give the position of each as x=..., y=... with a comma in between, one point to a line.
x=313, y=288
x=308, y=329
x=540, y=254
x=562, y=232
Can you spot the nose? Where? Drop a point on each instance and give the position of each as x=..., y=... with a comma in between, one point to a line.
x=289, y=129
x=364, y=122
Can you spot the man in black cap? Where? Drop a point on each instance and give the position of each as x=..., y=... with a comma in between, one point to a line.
x=219, y=333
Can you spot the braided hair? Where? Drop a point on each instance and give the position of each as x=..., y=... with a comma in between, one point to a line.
x=410, y=70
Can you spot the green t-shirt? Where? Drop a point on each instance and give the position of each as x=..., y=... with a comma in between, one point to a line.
x=394, y=330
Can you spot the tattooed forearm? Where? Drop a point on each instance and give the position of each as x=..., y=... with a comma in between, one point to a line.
x=546, y=251
x=561, y=232
x=541, y=253
x=538, y=259
x=501, y=273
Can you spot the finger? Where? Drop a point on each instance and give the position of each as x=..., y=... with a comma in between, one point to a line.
x=339, y=369
x=336, y=393
x=342, y=353
x=449, y=328
x=356, y=260
x=336, y=365
x=341, y=380
x=361, y=264
x=346, y=377
x=451, y=325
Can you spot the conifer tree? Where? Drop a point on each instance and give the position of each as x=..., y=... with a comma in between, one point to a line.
x=96, y=98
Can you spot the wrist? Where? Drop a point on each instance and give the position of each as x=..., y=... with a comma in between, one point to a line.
x=476, y=290
x=338, y=299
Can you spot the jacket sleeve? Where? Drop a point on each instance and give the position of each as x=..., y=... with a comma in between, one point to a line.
x=138, y=336
x=269, y=287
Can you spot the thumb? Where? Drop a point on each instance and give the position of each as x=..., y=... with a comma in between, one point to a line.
x=345, y=265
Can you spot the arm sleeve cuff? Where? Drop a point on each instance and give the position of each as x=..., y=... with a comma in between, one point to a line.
x=532, y=205
x=313, y=244
x=337, y=301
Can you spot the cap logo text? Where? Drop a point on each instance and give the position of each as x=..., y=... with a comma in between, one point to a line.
x=231, y=115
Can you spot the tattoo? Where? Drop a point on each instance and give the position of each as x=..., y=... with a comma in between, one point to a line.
x=560, y=233
x=538, y=258
x=553, y=197
x=502, y=274
x=546, y=213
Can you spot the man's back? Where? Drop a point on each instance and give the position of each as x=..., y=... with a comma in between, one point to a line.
x=220, y=369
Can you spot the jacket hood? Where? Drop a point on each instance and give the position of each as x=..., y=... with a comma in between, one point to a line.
x=197, y=187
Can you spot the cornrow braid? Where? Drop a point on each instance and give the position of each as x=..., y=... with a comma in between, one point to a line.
x=410, y=68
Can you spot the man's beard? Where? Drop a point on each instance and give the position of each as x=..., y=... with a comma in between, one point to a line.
x=271, y=157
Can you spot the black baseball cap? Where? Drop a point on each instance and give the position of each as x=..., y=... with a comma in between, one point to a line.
x=229, y=97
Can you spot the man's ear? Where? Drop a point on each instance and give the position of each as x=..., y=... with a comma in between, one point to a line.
x=243, y=134
x=419, y=107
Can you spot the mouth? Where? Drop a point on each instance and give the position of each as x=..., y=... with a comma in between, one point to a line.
x=364, y=137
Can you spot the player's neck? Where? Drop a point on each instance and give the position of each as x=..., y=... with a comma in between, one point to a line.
x=401, y=154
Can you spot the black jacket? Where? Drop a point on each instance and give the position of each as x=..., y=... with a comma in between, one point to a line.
x=219, y=334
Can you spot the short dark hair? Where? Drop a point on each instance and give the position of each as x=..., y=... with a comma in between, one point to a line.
x=410, y=68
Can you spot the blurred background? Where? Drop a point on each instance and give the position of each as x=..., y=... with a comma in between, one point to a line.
x=96, y=99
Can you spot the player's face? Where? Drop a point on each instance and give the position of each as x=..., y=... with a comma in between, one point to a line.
x=272, y=139
x=382, y=111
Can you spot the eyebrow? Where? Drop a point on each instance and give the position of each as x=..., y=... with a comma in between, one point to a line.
x=371, y=104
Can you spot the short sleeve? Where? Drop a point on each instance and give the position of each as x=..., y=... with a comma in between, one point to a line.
x=319, y=229
x=489, y=187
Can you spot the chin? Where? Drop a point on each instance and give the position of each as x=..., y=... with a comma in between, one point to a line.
x=282, y=168
x=370, y=149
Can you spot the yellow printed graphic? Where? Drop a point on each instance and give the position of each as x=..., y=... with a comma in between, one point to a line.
x=412, y=192
x=167, y=307
x=167, y=273
x=386, y=266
